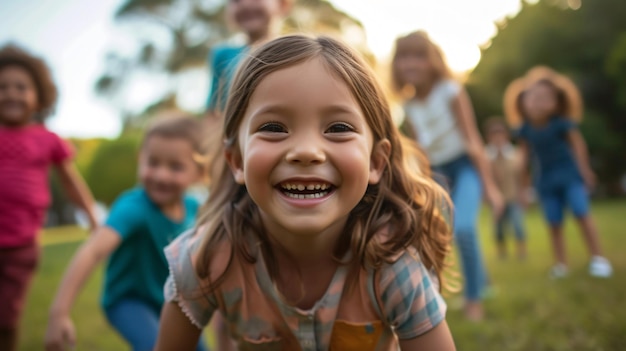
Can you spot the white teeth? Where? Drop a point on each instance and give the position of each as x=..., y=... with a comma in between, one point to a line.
x=302, y=187
x=307, y=196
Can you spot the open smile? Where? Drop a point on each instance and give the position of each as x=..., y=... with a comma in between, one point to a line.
x=305, y=190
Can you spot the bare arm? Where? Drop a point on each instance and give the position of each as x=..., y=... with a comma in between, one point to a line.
x=576, y=140
x=176, y=332
x=77, y=190
x=524, y=170
x=439, y=338
x=60, y=333
x=464, y=113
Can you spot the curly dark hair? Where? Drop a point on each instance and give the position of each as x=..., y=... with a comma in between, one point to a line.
x=13, y=55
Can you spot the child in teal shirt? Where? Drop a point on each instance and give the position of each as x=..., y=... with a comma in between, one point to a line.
x=142, y=222
x=260, y=21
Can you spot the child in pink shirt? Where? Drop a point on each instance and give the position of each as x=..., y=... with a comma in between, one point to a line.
x=27, y=150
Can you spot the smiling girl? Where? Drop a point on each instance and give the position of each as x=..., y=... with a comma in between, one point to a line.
x=322, y=234
x=27, y=152
x=142, y=221
x=544, y=106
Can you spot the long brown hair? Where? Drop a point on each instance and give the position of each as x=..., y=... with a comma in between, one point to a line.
x=406, y=202
x=418, y=41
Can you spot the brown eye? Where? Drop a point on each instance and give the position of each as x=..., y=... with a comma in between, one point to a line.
x=340, y=128
x=272, y=127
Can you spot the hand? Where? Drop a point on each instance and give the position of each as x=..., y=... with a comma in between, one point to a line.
x=524, y=198
x=60, y=335
x=589, y=178
x=496, y=201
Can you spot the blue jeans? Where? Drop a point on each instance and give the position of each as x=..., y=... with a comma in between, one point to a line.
x=138, y=323
x=462, y=181
x=512, y=213
x=555, y=198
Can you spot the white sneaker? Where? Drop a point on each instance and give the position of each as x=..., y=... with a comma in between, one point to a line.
x=600, y=267
x=559, y=271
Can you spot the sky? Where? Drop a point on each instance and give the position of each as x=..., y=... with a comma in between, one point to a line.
x=74, y=37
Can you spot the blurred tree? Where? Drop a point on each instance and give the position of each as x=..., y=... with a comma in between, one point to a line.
x=175, y=37
x=113, y=168
x=584, y=39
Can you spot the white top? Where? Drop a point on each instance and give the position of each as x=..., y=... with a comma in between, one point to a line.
x=435, y=125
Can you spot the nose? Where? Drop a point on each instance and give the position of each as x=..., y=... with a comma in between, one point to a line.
x=160, y=173
x=306, y=150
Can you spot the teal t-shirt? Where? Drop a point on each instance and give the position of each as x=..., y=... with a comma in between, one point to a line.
x=137, y=269
x=223, y=61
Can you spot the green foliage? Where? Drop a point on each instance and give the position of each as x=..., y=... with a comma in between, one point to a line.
x=588, y=44
x=616, y=68
x=193, y=27
x=85, y=150
x=113, y=168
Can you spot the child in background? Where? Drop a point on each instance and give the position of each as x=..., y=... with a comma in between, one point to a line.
x=27, y=150
x=545, y=106
x=321, y=235
x=142, y=221
x=439, y=116
x=506, y=166
x=259, y=20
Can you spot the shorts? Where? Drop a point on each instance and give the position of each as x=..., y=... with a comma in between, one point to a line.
x=17, y=267
x=554, y=199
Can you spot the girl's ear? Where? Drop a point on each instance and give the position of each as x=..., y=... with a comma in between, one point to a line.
x=379, y=161
x=233, y=158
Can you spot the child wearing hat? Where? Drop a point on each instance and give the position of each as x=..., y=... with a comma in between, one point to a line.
x=545, y=107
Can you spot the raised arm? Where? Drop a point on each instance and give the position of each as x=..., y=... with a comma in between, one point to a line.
x=579, y=147
x=176, y=332
x=464, y=113
x=77, y=190
x=61, y=335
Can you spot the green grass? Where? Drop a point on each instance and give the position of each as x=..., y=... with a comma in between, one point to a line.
x=527, y=312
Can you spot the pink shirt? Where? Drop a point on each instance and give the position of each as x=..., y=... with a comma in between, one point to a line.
x=25, y=157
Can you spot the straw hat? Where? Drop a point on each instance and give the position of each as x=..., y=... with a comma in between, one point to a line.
x=573, y=102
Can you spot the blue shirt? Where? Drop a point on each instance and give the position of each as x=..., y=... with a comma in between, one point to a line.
x=137, y=268
x=552, y=157
x=223, y=61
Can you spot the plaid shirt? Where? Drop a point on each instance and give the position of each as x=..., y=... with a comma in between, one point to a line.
x=399, y=300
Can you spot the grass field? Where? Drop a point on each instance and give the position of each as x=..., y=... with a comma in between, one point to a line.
x=527, y=311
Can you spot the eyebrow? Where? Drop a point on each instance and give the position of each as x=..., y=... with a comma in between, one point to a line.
x=286, y=110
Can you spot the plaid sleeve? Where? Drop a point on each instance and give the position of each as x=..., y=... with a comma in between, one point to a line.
x=409, y=297
x=183, y=285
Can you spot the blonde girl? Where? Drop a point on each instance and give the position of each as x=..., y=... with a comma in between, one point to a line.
x=439, y=116
x=544, y=106
x=321, y=234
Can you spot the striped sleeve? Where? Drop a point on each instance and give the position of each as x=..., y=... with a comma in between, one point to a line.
x=409, y=297
x=183, y=285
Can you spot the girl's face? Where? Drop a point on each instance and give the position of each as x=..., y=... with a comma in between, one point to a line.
x=413, y=66
x=167, y=168
x=255, y=17
x=539, y=102
x=305, y=151
x=18, y=96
